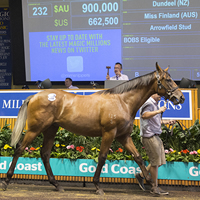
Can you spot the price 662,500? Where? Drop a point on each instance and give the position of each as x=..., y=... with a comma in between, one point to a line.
x=103, y=21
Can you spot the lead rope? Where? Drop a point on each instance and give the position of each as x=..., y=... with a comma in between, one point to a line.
x=165, y=127
x=170, y=131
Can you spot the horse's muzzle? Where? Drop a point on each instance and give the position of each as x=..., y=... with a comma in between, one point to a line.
x=177, y=100
x=182, y=99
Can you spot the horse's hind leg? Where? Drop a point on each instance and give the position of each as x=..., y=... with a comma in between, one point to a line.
x=128, y=144
x=49, y=136
x=28, y=138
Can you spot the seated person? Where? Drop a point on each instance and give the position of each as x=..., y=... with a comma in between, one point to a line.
x=68, y=84
x=25, y=87
x=38, y=84
x=118, y=74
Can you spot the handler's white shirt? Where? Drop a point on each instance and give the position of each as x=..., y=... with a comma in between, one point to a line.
x=151, y=126
x=122, y=77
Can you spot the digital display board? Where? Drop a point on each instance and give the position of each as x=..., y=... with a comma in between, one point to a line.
x=78, y=39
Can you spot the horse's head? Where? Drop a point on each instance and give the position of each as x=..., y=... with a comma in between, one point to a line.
x=167, y=87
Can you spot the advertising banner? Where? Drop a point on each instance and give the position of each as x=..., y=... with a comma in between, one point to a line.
x=10, y=102
x=112, y=169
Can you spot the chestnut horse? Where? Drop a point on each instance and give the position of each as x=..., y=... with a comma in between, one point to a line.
x=108, y=113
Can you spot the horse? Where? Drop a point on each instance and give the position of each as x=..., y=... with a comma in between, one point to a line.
x=108, y=114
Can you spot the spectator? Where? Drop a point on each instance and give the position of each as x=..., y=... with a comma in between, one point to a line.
x=25, y=87
x=38, y=83
x=68, y=84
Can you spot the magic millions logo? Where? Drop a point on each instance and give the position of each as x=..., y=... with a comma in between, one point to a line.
x=12, y=104
x=170, y=105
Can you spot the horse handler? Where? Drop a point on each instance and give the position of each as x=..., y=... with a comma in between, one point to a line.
x=150, y=129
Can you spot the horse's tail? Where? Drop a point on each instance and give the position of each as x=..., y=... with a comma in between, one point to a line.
x=20, y=123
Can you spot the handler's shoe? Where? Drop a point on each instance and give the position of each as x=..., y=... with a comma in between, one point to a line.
x=158, y=191
x=140, y=181
x=155, y=190
x=162, y=192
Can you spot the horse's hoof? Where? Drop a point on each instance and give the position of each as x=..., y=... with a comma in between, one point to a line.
x=60, y=189
x=4, y=185
x=100, y=192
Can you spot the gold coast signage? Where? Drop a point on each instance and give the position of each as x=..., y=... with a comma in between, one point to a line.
x=113, y=169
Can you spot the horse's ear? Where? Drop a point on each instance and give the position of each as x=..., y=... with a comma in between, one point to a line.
x=158, y=68
x=166, y=69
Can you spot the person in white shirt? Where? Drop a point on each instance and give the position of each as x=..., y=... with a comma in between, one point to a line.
x=118, y=74
x=150, y=130
x=68, y=84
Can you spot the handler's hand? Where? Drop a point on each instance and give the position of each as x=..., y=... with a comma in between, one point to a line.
x=162, y=109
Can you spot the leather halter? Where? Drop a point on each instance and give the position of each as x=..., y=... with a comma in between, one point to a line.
x=160, y=86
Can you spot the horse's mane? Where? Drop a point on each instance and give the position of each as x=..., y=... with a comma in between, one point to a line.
x=130, y=85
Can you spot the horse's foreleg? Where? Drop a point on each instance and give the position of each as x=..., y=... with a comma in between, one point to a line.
x=107, y=139
x=128, y=144
x=49, y=136
x=28, y=138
